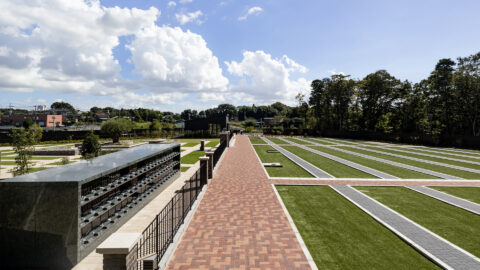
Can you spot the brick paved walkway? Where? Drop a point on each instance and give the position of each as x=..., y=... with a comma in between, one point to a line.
x=433, y=246
x=447, y=198
x=239, y=223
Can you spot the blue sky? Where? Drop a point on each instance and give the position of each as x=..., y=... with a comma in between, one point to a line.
x=223, y=53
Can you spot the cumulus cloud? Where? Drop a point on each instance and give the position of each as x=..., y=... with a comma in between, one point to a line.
x=170, y=59
x=134, y=100
x=64, y=46
x=171, y=4
x=265, y=79
x=189, y=17
x=251, y=11
x=185, y=1
x=333, y=72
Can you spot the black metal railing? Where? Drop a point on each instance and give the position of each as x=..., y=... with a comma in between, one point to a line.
x=160, y=232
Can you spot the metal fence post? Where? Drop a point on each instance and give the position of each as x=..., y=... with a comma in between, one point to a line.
x=202, y=145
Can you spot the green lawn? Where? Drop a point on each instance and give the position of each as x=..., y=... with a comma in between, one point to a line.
x=457, y=151
x=212, y=142
x=8, y=163
x=458, y=226
x=184, y=169
x=437, y=168
x=192, y=157
x=318, y=141
x=32, y=170
x=339, y=141
x=256, y=140
x=289, y=169
x=468, y=193
x=33, y=158
x=419, y=150
x=341, y=236
x=332, y=167
x=380, y=166
x=278, y=141
x=297, y=141
x=58, y=163
x=191, y=144
x=436, y=159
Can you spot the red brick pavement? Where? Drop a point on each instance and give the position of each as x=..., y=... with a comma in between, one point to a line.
x=239, y=223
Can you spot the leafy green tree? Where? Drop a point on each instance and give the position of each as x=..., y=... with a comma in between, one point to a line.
x=27, y=123
x=63, y=105
x=90, y=146
x=23, y=142
x=114, y=128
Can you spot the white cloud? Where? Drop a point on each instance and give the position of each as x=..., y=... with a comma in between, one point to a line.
x=134, y=100
x=206, y=97
x=171, y=4
x=251, y=11
x=189, y=17
x=64, y=46
x=265, y=79
x=185, y=1
x=170, y=59
x=333, y=72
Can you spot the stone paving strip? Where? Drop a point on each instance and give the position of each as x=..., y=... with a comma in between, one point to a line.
x=447, y=198
x=239, y=224
x=312, y=169
x=401, y=165
x=418, y=151
x=424, y=149
x=436, y=248
x=428, y=155
x=348, y=163
x=323, y=141
x=419, y=160
x=377, y=182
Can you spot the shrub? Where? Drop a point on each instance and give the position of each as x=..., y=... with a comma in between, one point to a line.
x=90, y=146
x=116, y=127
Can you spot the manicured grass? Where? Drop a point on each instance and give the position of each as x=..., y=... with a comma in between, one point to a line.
x=278, y=141
x=452, y=223
x=436, y=159
x=332, y=167
x=380, y=166
x=192, y=144
x=256, y=140
x=8, y=163
x=297, y=141
x=420, y=150
x=58, y=163
x=468, y=193
x=33, y=158
x=457, y=151
x=289, y=169
x=339, y=141
x=184, y=169
x=341, y=236
x=32, y=170
x=190, y=140
x=212, y=142
x=437, y=168
x=315, y=140
x=192, y=157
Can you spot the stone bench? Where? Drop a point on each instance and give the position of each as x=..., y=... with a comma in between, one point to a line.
x=116, y=248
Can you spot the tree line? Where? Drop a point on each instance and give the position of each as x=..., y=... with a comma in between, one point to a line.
x=445, y=103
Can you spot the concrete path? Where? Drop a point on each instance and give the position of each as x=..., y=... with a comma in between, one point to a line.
x=376, y=182
x=421, y=160
x=401, y=165
x=348, y=163
x=312, y=169
x=239, y=224
x=429, y=155
x=447, y=198
x=431, y=245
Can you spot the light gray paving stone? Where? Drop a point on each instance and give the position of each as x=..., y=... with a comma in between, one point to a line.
x=347, y=162
x=436, y=248
x=314, y=170
x=405, y=166
x=325, y=141
x=431, y=155
x=421, y=160
x=460, y=154
x=447, y=198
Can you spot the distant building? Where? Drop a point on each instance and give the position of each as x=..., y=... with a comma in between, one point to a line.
x=40, y=108
x=102, y=117
x=205, y=123
x=43, y=120
x=179, y=124
x=272, y=121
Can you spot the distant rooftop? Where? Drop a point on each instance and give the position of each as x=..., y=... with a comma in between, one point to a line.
x=85, y=170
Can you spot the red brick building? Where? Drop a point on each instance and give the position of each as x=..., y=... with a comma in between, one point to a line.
x=43, y=120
